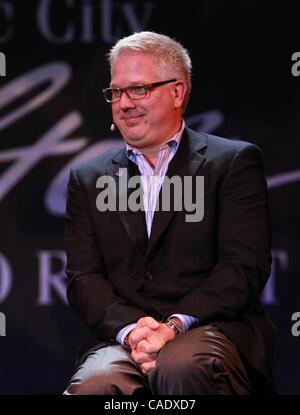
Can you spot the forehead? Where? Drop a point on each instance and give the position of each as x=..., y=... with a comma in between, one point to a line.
x=134, y=67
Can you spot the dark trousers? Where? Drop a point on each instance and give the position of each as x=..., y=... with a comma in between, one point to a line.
x=202, y=361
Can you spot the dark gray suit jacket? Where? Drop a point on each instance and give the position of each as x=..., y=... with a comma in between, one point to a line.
x=214, y=269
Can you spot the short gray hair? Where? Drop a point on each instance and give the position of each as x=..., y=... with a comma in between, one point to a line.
x=170, y=54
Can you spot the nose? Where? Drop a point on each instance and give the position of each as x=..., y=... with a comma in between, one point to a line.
x=125, y=102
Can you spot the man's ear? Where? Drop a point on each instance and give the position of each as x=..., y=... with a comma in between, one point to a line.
x=180, y=91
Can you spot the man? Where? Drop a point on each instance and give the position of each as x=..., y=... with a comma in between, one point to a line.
x=172, y=305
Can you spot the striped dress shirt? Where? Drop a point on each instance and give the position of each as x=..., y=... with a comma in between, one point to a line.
x=152, y=178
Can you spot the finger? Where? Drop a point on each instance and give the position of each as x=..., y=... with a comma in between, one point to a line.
x=147, y=367
x=146, y=347
x=148, y=322
x=139, y=334
x=140, y=358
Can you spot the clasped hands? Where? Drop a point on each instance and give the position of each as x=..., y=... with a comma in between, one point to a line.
x=146, y=340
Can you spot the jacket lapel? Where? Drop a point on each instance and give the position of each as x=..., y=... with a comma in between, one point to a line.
x=122, y=169
x=186, y=162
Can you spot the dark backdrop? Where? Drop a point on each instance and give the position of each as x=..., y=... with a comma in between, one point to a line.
x=52, y=114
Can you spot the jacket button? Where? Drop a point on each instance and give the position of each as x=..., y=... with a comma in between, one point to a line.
x=148, y=276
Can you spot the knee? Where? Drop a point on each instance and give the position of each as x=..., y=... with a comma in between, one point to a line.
x=107, y=383
x=104, y=384
x=93, y=385
x=183, y=365
x=174, y=364
x=183, y=372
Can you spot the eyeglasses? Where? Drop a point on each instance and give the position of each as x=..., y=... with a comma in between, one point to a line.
x=133, y=92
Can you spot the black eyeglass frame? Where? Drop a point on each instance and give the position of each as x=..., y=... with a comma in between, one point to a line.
x=147, y=87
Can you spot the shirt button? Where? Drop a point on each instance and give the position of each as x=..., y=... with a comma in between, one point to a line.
x=148, y=276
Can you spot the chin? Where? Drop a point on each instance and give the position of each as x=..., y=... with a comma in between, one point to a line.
x=133, y=137
x=134, y=140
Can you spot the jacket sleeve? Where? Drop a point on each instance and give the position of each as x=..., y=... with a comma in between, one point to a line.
x=89, y=291
x=243, y=244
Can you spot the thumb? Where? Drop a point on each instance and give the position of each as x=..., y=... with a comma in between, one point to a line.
x=148, y=322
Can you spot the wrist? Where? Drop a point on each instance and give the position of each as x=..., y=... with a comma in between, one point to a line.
x=126, y=342
x=177, y=328
x=179, y=323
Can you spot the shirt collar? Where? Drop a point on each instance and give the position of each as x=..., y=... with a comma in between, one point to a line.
x=173, y=143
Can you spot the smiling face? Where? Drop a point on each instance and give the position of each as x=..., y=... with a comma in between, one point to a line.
x=146, y=123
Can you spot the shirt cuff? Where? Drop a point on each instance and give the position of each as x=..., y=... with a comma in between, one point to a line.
x=123, y=333
x=187, y=321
